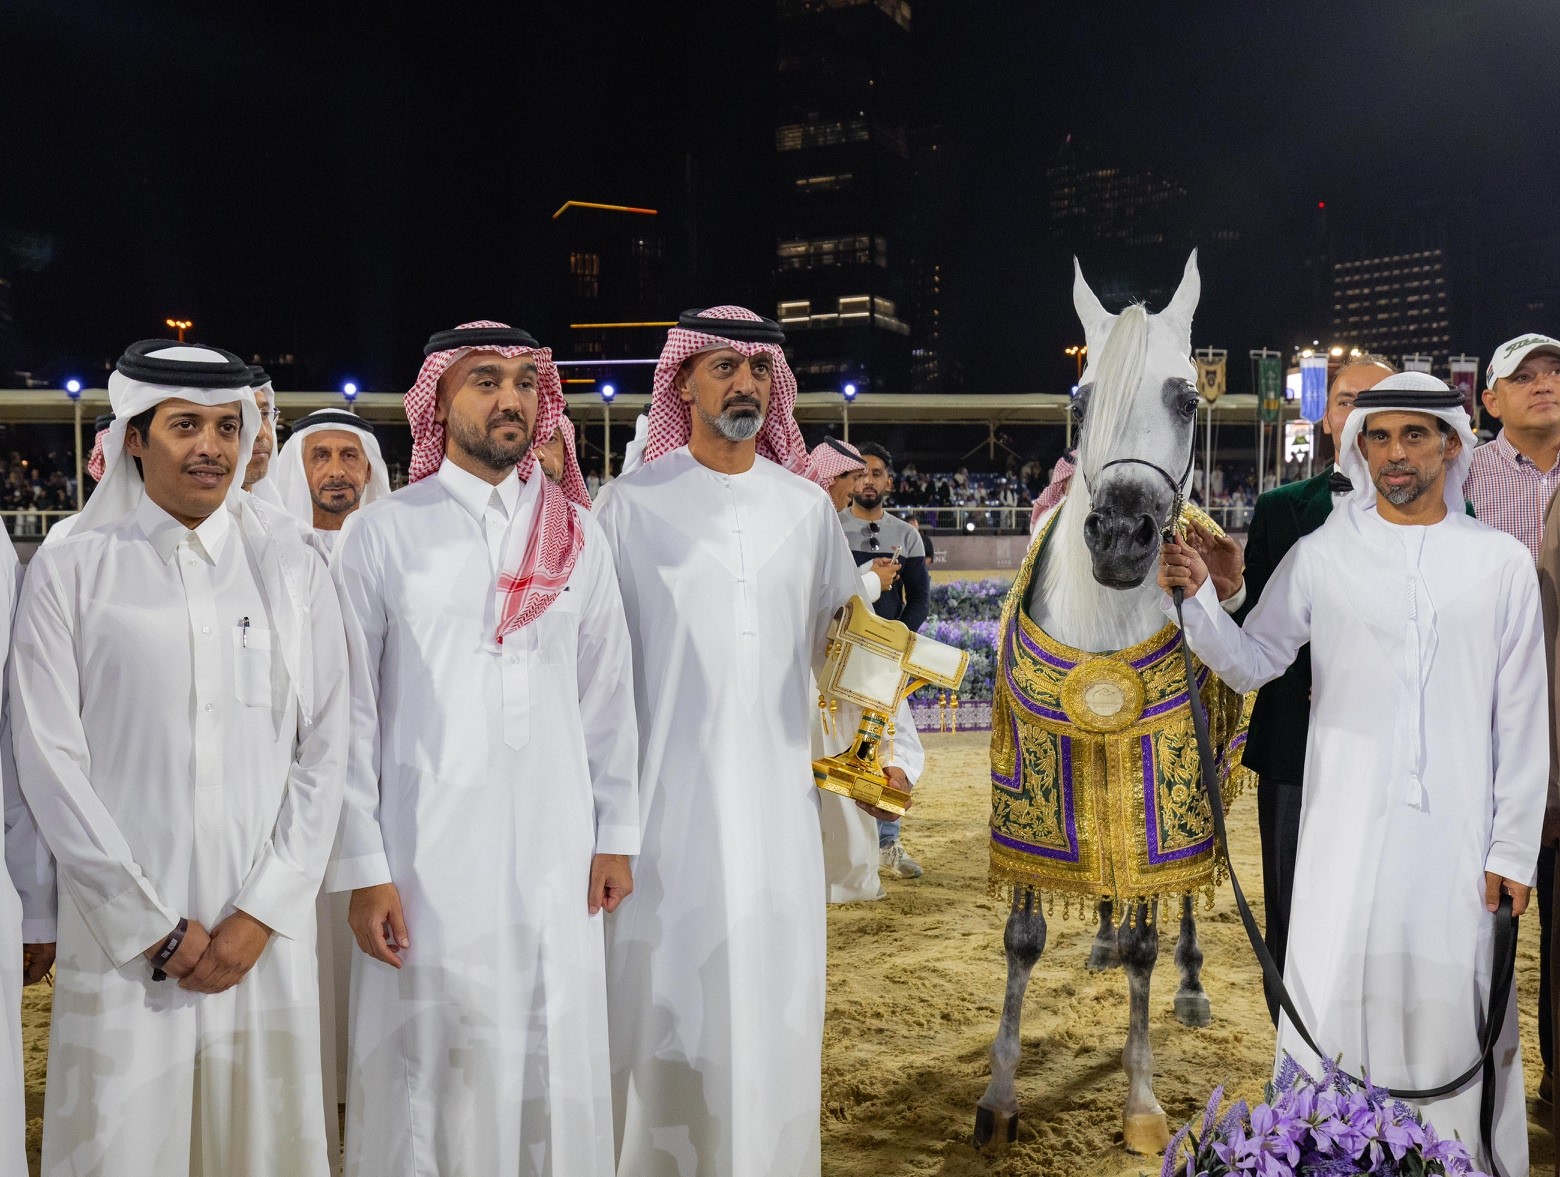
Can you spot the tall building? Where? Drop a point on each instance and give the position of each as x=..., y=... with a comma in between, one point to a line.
x=614, y=297
x=933, y=223
x=1395, y=304
x=1090, y=199
x=842, y=262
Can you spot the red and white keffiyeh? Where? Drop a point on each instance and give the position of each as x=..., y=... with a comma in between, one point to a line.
x=832, y=458
x=1056, y=490
x=557, y=536
x=95, y=463
x=671, y=419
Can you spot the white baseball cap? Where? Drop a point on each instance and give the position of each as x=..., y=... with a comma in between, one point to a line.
x=1509, y=355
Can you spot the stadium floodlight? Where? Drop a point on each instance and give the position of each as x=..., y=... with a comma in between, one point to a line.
x=73, y=388
x=849, y=392
x=608, y=392
x=350, y=391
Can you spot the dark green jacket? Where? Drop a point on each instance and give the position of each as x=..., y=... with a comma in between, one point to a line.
x=1275, y=741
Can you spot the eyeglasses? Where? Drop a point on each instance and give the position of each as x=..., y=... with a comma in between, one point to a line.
x=872, y=539
x=271, y=415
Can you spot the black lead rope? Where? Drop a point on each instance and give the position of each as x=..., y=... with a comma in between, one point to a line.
x=1505, y=936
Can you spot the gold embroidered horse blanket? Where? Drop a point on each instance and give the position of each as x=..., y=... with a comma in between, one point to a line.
x=1096, y=786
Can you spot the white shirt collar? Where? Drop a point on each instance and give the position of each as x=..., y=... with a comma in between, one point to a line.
x=165, y=532
x=475, y=494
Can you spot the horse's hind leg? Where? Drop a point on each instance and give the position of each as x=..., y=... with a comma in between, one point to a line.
x=1024, y=941
x=1143, y=1125
x=1102, y=953
x=1191, y=1002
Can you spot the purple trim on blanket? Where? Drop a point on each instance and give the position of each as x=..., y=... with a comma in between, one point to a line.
x=1156, y=856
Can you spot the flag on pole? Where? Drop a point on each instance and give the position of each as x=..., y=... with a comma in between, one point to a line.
x=1270, y=386
x=1465, y=378
x=1416, y=363
x=1211, y=366
x=1313, y=387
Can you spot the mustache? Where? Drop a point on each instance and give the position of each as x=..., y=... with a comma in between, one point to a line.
x=203, y=465
x=507, y=417
x=741, y=398
x=337, y=485
x=1399, y=468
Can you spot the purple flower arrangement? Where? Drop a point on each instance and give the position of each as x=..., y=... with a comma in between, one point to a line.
x=965, y=613
x=1324, y=1128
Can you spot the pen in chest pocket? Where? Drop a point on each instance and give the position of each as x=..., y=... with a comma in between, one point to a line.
x=243, y=626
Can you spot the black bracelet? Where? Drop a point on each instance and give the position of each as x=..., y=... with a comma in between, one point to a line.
x=170, y=946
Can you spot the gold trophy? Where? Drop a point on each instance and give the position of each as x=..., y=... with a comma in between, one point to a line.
x=876, y=663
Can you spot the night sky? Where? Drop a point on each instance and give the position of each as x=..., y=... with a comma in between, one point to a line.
x=298, y=181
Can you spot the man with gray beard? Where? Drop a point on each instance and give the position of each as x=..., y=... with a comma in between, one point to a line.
x=731, y=567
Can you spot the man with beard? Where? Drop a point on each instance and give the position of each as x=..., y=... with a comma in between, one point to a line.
x=491, y=797
x=330, y=466
x=872, y=532
x=265, y=441
x=179, y=681
x=732, y=567
x=1425, y=774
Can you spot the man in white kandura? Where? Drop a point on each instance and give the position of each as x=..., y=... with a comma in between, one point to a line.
x=27, y=905
x=492, y=801
x=257, y=470
x=732, y=566
x=329, y=467
x=179, y=680
x=1426, y=767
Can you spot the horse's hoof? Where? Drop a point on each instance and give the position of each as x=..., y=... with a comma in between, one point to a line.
x=989, y=1124
x=1145, y=1135
x=1192, y=1009
x=1103, y=957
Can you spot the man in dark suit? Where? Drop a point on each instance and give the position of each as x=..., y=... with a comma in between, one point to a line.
x=1275, y=741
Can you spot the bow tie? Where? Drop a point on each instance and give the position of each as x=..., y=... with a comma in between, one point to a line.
x=1338, y=483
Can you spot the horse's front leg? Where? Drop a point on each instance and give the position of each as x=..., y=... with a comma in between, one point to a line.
x=1191, y=1002
x=1103, y=953
x=1024, y=941
x=1143, y=1125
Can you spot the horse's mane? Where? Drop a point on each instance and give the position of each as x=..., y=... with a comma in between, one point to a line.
x=1116, y=380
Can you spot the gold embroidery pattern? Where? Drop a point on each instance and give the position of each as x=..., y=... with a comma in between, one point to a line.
x=1096, y=786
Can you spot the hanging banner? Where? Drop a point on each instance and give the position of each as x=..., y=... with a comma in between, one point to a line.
x=1416, y=363
x=1465, y=378
x=1297, y=441
x=1313, y=387
x=1270, y=387
x=1211, y=366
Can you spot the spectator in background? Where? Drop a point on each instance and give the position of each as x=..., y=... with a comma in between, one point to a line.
x=1510, y=483
x=874, y=533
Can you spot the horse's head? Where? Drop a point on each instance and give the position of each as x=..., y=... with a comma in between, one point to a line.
x=1139, y=403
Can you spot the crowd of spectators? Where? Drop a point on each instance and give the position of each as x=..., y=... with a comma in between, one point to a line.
x=34, y=485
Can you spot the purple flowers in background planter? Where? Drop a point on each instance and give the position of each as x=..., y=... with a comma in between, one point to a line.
x=965, y=613
x=1313, y=1128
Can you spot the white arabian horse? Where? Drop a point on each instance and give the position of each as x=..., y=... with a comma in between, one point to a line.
x=1095, y=590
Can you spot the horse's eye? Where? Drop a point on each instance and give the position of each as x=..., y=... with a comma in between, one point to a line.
x=1189, y=407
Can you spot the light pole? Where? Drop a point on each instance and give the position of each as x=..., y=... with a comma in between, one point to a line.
x=1078, y=352
x=607, y=394
x=847, y=394
x=73, y=390
x=179, y=325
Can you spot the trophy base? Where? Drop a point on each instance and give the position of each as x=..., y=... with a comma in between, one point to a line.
x=838, y=774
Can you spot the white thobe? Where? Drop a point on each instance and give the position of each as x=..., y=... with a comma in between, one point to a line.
x=850, y=833
x=1426, y=765
x=27, y=900
x=716, y=966
x=162, y=753
x=484, y=779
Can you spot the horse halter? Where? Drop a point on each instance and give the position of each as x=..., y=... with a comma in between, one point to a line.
x=1177, y=495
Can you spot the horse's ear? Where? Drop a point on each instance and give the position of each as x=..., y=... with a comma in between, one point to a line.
x=1091, y=313
x=1184, y=303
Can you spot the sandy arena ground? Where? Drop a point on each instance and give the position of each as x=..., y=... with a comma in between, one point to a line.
x=915, y=988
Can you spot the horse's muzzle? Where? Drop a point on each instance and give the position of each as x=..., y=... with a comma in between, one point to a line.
x=1123, y=547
